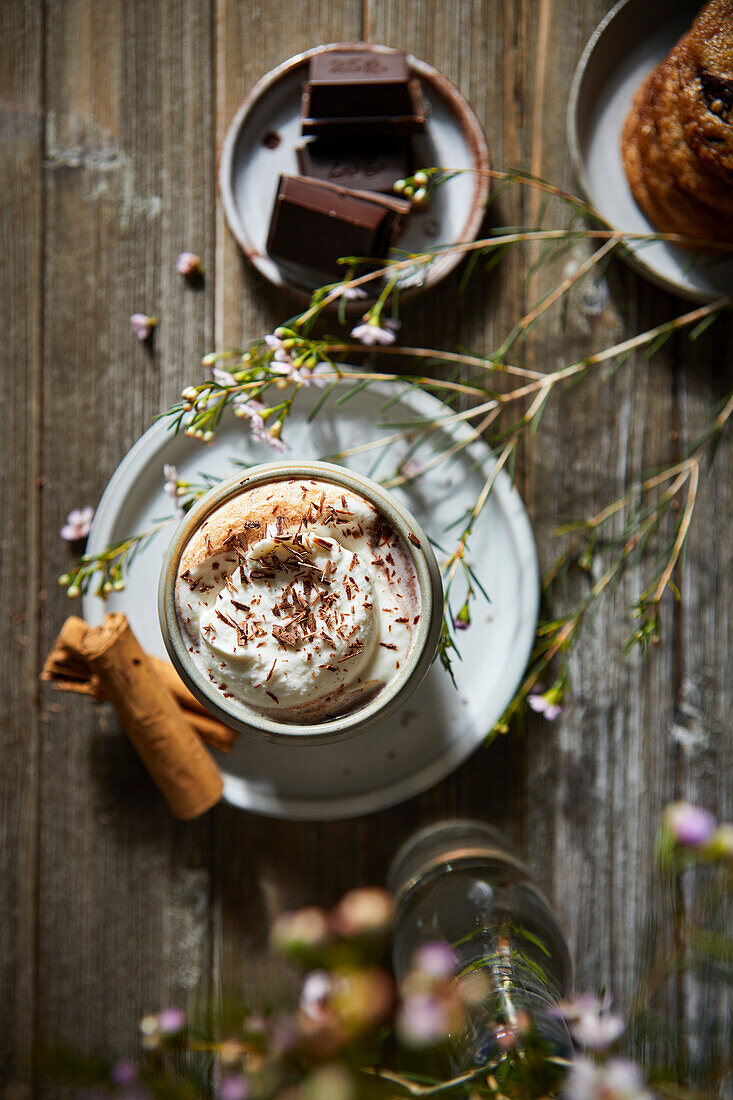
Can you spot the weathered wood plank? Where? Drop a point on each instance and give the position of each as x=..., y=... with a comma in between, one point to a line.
x=21, y=216
x=129, y=183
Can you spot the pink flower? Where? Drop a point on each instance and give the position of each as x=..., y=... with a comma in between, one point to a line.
x=223, y=377
x=614, y=1080
x=171, y=488
x=435, y=960
x=371, y=333
x=171, y=1021
x=286, y=368
x=188, y=264
x=314, y=995
x=270, y=438
x=409, y=468
x=78, y=524
x=142, y=325
x=123, y=1074
x=233, y=1087
x=353, y=293
x=249, y=409
x=170, y=474
x=275, y=343
x=591, y=1024
x=423, y=1021
x=689, y=825
x=547, y=704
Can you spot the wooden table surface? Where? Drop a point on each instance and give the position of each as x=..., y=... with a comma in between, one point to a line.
x=113, y=113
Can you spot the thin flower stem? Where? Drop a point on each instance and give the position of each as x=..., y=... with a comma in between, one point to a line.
x=443, y=456
x=460, y=551
x=413, y=1089
x=464, y=247
x=566, y=284
x=446, y=356
x=682, y=530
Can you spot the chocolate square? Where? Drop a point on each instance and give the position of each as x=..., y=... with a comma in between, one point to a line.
x=360, y=92
x=314, y=223
x=362, y=164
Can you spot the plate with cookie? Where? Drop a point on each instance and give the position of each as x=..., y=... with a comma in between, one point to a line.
x=650, y=126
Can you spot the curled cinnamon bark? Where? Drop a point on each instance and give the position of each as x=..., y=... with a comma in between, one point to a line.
x=67, y=669
x=123, y=675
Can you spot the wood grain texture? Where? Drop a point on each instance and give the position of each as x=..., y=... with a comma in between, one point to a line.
x=21, y=220
x=112, y=117
x=128, y=183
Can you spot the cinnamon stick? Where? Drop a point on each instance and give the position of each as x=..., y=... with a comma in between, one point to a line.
x=182, y=768
x=67, y=669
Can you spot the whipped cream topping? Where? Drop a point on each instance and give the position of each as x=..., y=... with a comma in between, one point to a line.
x=298, y=600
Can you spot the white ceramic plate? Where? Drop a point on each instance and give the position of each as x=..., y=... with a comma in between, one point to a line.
x=265, y=132
x=439, y=725
x=631, y=41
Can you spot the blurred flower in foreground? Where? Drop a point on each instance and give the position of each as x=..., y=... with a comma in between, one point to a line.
x=171, y=1021
x=720, y=845
x=300, y=933
x=332, y=1082
x=314, y=995
x=614, y=1080
x=337, y=1008
x=367, y=911
x=123, y=1074
x=143, y=326
x=435, y=959
x=591, y=1024
x=188, y=264
x=689, y=826
x=432, y=1005
x=423, y=1020
x=233, y=1087
x=78, y=524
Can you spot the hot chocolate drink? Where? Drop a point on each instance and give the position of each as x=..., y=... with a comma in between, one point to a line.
x=297, y=598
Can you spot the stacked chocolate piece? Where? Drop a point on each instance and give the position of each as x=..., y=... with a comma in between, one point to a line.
x=677, y=141
x=360, y=108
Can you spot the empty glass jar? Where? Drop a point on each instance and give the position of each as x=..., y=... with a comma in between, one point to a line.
x=460, y=883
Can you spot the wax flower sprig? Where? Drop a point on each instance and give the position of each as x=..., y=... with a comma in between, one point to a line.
x=501, y=399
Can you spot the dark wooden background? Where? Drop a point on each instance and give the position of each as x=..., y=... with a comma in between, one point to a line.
x=112, y=113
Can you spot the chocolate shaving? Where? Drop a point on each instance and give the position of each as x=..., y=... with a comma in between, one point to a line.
x=387, y=645
x=413, y=538
x=284, y=637
x=272, y=696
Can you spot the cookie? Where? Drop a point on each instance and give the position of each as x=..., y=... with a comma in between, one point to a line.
x=667, y=206
x=706, y=88
x=690, y=173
